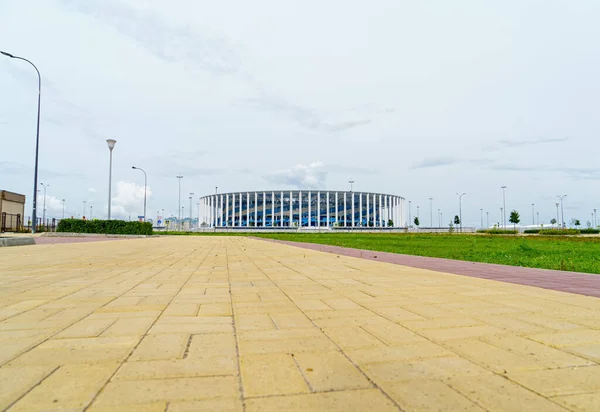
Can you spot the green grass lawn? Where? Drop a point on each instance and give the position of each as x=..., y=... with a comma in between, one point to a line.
x=577, y=254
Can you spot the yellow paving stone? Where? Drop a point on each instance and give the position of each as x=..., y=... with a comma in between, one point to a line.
x=462, y=332
x=398, y=314
x=589, y=351
x=356, y=400
x=402, y=352
x=272, y=374
x=546, y=321
x=78, y=351
x=428, y=395
x=543, y=354
x=86, y=328
x=161, y=346
x=352, y=337
x=215, y=309
x=429, y=368
x=327, y=371
x=179, y=368
x=286, y=345
x=17, y=381
x=495, y=393
x=131, y=326
x=291, y=321
x=207, y=345
x=220, y=405
x=147, y=407
x=441, y=323
x=566, y=381
x=264, y=335
x=71, y=386
x=168, y=390
x=181, y=309
x=568, y=338
x=391, y=333
x=582, y=402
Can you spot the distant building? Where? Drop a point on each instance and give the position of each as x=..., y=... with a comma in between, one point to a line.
x=12, y=211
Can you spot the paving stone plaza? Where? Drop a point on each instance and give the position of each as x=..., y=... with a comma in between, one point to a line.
x=237, y=324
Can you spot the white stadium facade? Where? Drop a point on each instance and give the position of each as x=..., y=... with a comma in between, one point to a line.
x=302, y=208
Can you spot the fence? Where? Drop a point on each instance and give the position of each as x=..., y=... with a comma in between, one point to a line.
x=11, y=223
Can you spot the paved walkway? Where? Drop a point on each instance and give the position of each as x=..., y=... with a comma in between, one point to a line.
x=198, y=323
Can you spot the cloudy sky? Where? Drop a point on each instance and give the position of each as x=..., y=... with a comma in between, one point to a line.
x=420, y=99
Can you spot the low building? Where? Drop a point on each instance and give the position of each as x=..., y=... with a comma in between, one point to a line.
x=12, y=211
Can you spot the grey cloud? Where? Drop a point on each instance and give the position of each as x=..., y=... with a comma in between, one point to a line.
x=435, y=162
x=310, y=176
x=355, y=170
x=500, y=144
x=12, y=168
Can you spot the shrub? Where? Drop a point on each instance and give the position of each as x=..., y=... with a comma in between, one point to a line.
x=531, y=231
x=498, y=231
x=112, y=227
x=590, y=231
x=560, y=232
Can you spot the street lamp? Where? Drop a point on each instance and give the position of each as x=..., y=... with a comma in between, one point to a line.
x=409, y=214
x=145, y=185
x=91, y=210
x=562, y=211
x=557, y=218
x=595, y=221
x=111, y=145
x=43, y=211
x=439, y=218
x=63, y=202
x=533, y=213
x=503, y=206
x=481, y=210
x=84, y=202
x=487, y=219
x=351, y=184
x=179, y=177
x=37, y=138
x=460, y=209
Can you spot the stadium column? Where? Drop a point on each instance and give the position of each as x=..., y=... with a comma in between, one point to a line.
x=336, y=208
x=256, y=208
x=300, y=208
x=272, y=209
x=380, y=211
x=360, y=209
x=281, y=204
x=374, y=210
x=247, y=209
x=352, y=202
x=222, y=208
x=328, y=209
x=318, y=208
x=264, y=210
x=367, y=213
x=345, y=210
x=291, y=207
x=309, y=208
x=240, y=213
x=227, y=210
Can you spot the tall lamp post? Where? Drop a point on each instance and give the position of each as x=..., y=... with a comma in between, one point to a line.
x=351, y=184
x=44, y=210
x=409, y=214
x=191, y=195
x=91, y=211
x=562, y=211
x=63, y=202
x=503, y=206
x=111, y=145
x=84, y=202
x=595, y=220
x=460, y=209
x=481, y=210
x=487, y=219
x=179, y=177
x=37, y=138
x=533, y=213
x=145, y=185
x=557, y=217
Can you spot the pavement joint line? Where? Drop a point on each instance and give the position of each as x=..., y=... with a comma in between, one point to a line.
x=32, y=388
x=376, y=337
x=312, y=390
x=235, y=333
x=367, y=377
x=149, y=327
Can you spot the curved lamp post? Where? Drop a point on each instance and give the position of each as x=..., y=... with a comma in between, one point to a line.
x=460, y=208
x=562, y=211
x=111, y=145
x=44, y=211
x=145, y=184
x=37, y=139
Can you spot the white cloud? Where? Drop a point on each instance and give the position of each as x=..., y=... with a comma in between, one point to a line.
x=128, y=200
x=92, y=190
x=301, y=176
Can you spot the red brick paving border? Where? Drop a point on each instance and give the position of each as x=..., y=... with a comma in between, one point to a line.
x=572, y=282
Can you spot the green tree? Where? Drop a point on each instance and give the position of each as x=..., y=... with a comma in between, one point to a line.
x=456, y=220
x=417, y=223
x=553, y=221
x=514, y=218
x=390, y=223
x=577, y=223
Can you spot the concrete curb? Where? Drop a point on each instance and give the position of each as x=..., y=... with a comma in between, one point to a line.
x=16, y=241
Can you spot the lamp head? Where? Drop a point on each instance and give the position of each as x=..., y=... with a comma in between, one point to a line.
x=7, y=54
x=133, y=167
x=111, y=143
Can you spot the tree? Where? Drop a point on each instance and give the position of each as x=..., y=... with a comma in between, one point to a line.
x=553, y=221
x=577, y=223
x=514, y=218
x=390, y=223
x=456, y=220
x=417, y=223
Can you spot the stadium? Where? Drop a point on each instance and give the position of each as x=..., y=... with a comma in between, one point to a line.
x=302, y=208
